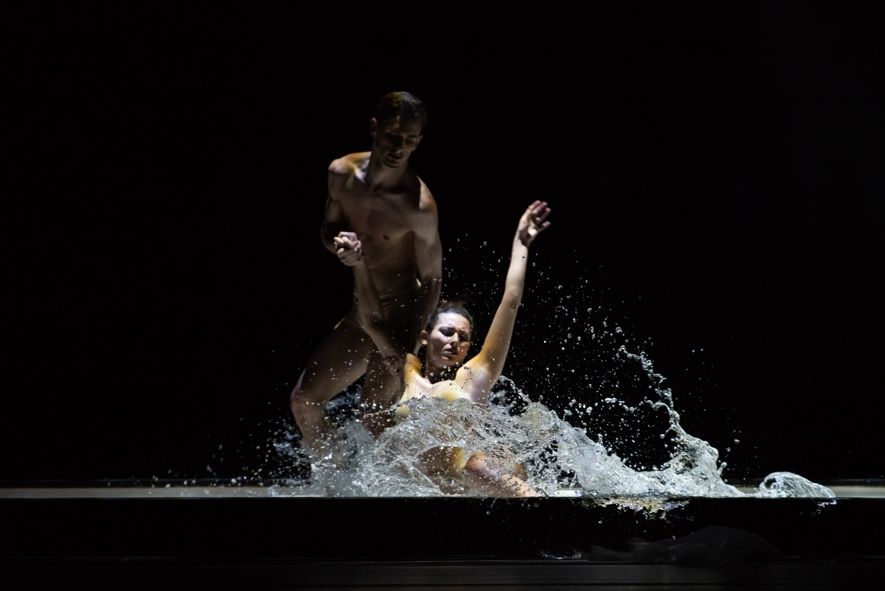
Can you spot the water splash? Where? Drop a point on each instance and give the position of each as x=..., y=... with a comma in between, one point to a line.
x=521, y=435
x=617, y=436
x=787, y=484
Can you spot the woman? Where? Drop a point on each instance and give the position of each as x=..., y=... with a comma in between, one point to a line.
x=445, y=374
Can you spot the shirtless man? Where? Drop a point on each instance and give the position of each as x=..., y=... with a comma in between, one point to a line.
x=379, y=213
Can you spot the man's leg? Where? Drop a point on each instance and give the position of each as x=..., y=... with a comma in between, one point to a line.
x=338, y=361
x=382, y=388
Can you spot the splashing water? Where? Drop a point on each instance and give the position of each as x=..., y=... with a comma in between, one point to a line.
x=528, y=437
x=521, y=434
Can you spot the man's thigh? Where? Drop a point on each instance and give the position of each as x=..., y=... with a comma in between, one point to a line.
x=382, y=388
x=338, y=361
x=400, y=312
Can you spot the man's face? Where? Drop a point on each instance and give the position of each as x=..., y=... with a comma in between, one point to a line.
x=395, y=140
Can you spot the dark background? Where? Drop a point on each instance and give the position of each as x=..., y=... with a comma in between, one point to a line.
x=716, y=178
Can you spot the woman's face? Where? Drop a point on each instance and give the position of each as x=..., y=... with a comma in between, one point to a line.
x=449, y=340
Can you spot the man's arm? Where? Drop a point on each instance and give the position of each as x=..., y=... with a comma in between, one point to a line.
x=344, y=244
x=428, y=258
x=333, y=219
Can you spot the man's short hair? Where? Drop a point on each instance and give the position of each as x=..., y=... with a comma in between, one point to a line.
x=401, y=104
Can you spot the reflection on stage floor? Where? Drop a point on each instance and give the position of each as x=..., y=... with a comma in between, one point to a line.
x=202, y=533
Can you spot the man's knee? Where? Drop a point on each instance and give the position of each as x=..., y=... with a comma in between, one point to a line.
x=303, y=406
x=306, y=412
x=296, y=394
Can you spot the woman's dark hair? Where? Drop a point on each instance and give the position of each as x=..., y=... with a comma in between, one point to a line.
x=454, y=306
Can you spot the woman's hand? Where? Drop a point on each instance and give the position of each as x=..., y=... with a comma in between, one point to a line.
x=533, y=222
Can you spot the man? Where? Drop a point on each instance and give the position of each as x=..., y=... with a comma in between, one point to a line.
x=379, y=213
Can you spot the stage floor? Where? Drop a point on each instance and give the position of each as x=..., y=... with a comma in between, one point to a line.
x=204, y=534
x=872, y=489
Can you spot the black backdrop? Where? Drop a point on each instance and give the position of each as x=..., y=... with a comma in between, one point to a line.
x=716, y=178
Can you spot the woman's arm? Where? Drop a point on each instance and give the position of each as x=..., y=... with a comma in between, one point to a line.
x=489, y=362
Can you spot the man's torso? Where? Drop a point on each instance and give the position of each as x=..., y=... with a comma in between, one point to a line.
x=383, y=221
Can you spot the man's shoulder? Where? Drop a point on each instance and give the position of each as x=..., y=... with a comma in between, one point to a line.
x=426, y=202
x=347, y=164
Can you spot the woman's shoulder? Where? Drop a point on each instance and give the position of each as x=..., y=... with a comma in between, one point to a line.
x=475, y=378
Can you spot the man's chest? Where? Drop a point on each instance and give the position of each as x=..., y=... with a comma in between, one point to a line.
x=380, y=217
